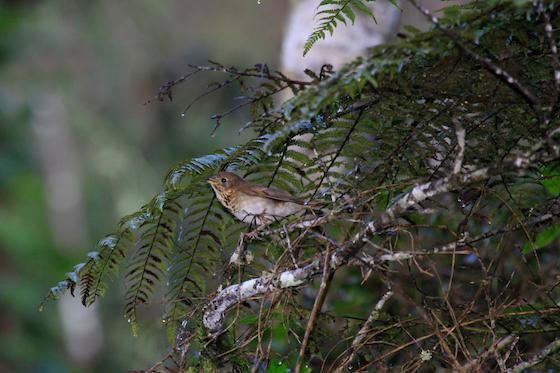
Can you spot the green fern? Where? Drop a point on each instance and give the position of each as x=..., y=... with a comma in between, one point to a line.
x=93, y=275
x=332, y=11
x=103, y=264
x=194, y=260
x=148, y=263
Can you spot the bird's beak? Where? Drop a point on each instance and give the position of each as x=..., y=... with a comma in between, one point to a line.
x=212, y=180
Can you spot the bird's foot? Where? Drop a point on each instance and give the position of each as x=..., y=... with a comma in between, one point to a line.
x=253, y=235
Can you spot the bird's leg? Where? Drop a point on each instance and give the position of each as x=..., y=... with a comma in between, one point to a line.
x=253, y=234
x=238, y=256
x=290, y=250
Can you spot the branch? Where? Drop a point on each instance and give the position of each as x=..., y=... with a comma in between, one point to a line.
x=460, y=133
x=319, y=300
x=262, y=73
x=214, y=316
x=428, y=190
x=218, y=117
x=538, y=358
x=373, y=261
x=472, y=365
x=365, y=329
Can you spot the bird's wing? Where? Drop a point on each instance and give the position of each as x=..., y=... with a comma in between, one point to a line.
x=272, y=193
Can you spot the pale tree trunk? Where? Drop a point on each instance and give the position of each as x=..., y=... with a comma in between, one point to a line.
x=60, y=167
x=349, y=41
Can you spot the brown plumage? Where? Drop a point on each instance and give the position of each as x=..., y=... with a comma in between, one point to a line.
x=251, y=203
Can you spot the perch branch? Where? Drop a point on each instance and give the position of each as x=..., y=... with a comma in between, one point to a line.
x=215, y=314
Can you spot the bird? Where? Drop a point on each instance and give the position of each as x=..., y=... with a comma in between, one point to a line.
x=251, y=203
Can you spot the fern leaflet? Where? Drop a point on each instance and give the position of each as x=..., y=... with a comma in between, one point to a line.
x=332, y=11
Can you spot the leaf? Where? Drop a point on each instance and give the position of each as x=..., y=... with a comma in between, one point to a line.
x=249, y=320
x=331, y=11
x=551, y=179
x=359, y=5
x=276, y=366
x=543, y=238
x=147, y=264
x=349, y=13
x=194, y=254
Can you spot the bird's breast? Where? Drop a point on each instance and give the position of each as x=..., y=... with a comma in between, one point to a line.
x=228, y=199
x=255, y=206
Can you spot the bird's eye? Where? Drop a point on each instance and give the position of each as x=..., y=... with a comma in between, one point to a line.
x=224, y=180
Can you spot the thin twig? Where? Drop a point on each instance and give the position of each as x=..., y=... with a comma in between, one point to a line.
x=206, y=93
x=342, y=145
x=365, y=329
x=165, y=89
x=319, y=300
x=460, y=134
x=219, y=117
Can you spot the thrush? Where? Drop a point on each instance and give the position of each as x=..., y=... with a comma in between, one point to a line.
x=251, y=203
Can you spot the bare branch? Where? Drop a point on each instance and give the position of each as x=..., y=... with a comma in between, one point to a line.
x=319, y=300
x=473, y=365
x=262, y=73
x=428, y=190
x=365, y=329
x=538, y=358
x=460, y=133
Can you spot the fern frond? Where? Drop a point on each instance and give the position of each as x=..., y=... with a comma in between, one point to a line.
x=331, y=11
x=182, y=283
x=148, y=263
x=103, y=264
x=195, y=172
x=197, y=256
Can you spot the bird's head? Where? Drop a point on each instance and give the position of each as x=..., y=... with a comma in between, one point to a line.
x=224, y=181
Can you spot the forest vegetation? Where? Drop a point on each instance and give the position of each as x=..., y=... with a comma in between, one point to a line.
x=436, y=161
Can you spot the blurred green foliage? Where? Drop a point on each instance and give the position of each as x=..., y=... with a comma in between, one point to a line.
x=104, y=59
